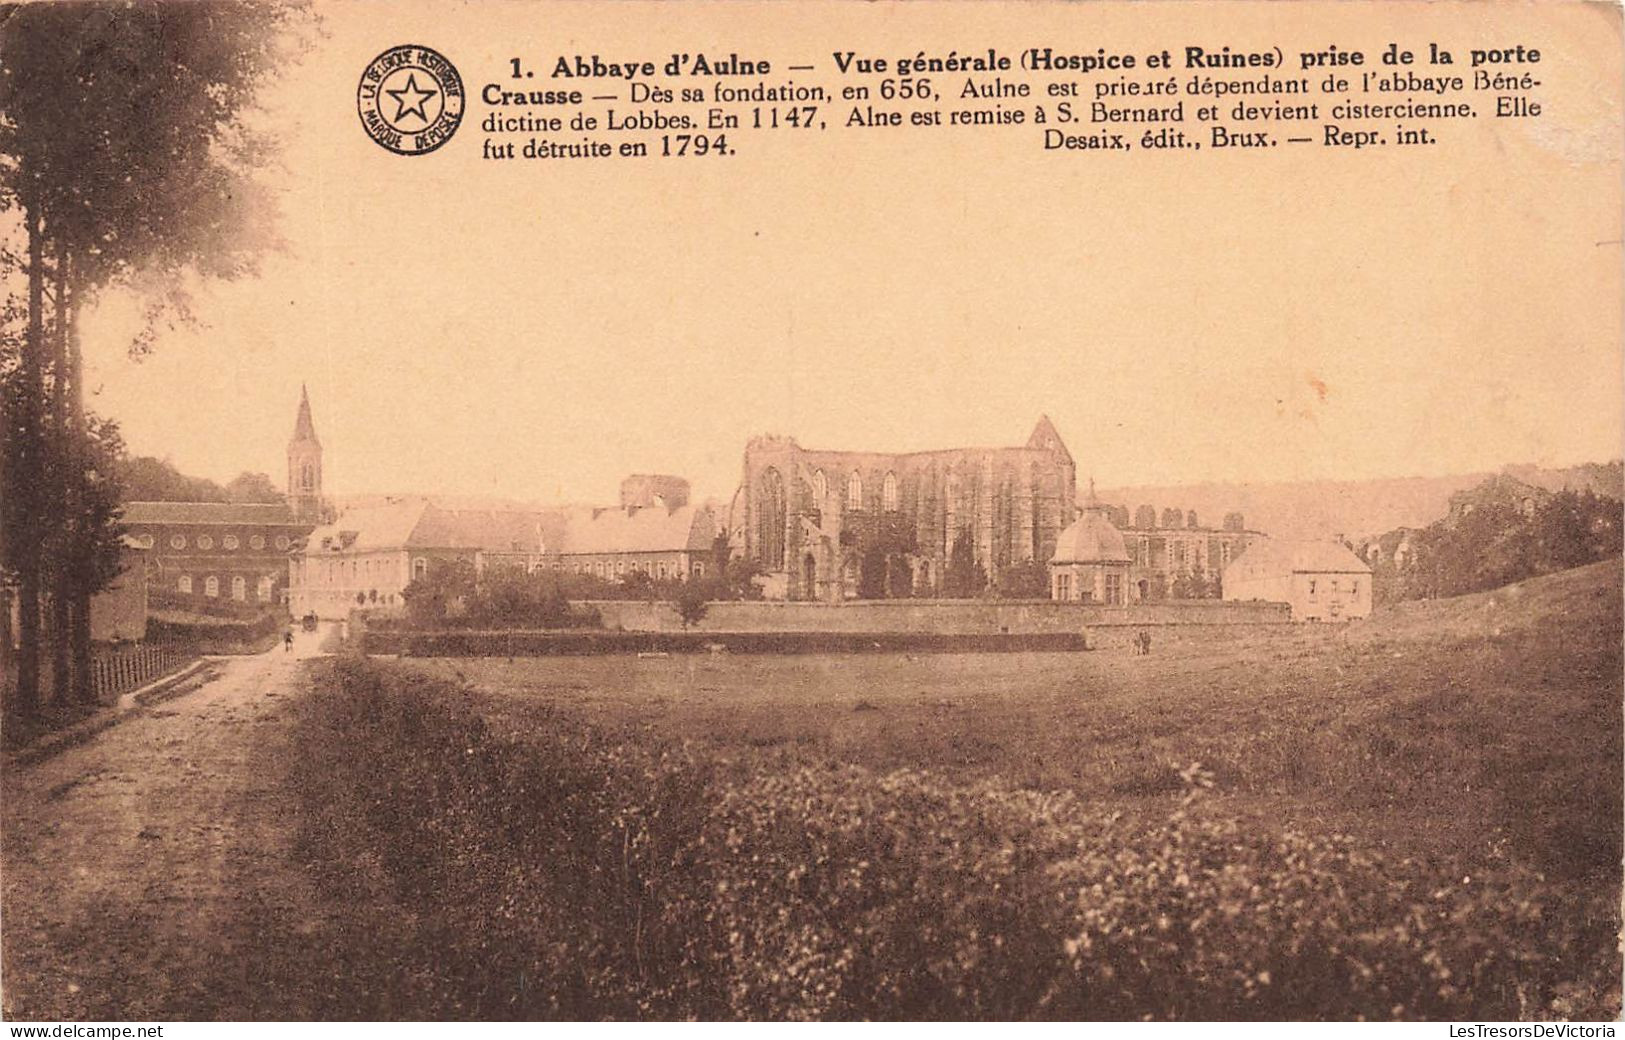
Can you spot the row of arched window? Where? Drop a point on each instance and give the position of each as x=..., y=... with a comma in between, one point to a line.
x=854, y=490
x=610, y=569
x=239, y=587
x=205, y=542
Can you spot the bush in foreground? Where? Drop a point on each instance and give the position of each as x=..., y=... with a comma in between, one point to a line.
x=577, y=873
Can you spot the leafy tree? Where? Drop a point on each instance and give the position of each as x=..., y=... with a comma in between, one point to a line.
x=147, y=479
x=692, y=602
x=436, y=594
x=1026, y=580
x=964, y=577
x=1145, y=518
x=872, y=574
x=253, y=488
x=125, y=149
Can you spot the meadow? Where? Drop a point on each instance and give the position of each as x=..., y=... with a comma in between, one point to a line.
x=1417, y=816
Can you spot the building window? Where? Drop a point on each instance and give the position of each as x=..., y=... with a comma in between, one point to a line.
x=239, y=588
x=854, y=491
x=820, y=488
x=177, y=541
x=1311, y=586
x=771, y=519
x=229, y=541
x=1114, y=589
x=660, y=570
x=265, y=588
x=257, y=542
x=211, y=587
x=420, y=567
x=282, y=541
x=699, y=569
x=888, y=493
x=307, y=477
x=205, y=543
x=184, y=585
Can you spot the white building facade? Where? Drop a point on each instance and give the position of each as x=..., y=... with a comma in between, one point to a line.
x=1321, y=581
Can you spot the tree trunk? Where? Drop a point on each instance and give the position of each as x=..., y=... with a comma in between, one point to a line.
x=62, y=488
x=27, y=515
x=84, y=689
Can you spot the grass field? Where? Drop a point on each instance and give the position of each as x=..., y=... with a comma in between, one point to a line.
x=1477, y=725
x=1413, y=817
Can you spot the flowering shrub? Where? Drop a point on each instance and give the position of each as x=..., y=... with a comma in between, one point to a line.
x=579, y=873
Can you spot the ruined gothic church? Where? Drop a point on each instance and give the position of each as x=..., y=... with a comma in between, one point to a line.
x=830, y=525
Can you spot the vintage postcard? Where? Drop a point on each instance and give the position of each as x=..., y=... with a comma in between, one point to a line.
x=833, y=511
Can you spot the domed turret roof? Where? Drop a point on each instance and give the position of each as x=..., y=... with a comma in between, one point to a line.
x=1092, y=538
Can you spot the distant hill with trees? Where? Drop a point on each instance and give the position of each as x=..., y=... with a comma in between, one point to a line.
x=1353, y=508
x=1504, y=530
x=147, y=479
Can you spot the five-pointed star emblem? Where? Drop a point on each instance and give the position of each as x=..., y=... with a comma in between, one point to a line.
x=405, y=107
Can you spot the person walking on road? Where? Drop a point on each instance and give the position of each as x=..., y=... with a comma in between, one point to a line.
x=287, y=641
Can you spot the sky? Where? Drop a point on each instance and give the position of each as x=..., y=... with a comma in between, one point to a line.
x=537, y=330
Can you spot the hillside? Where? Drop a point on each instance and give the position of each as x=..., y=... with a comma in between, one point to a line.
x=1353, y=508
x=1585, y=601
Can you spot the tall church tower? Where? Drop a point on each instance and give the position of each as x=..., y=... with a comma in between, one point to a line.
x=305, y=465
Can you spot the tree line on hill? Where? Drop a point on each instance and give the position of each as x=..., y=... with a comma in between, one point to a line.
x=1497, y=542
x=148, y=479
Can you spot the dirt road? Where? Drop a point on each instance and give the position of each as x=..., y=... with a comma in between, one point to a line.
x=141, y=870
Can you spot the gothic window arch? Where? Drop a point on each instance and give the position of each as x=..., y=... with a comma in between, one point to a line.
x=184, y=585
x=239, y=588
x=854, y=491
x=820, y=485
x=211, y=587
x=307, y=476
x=770, y=519
x=888, y=493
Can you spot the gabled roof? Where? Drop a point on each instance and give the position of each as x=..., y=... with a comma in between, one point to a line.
x=651, y=529
x=208, y=513
x=1272, y=555
x=493, y=530
x=418, y=523
x=388, y=525
x=1046, y=437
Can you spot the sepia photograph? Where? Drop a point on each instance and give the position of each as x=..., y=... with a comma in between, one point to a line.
x=829, y=512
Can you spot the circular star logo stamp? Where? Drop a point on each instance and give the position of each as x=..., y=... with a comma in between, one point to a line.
x=410, y=99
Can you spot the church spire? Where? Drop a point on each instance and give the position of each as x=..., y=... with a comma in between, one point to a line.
x=304, y=429
x=305, y=464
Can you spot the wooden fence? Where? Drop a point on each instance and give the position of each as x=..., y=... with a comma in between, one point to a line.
x=119, y=669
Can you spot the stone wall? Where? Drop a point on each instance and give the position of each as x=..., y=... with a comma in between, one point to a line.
x=940, y=617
